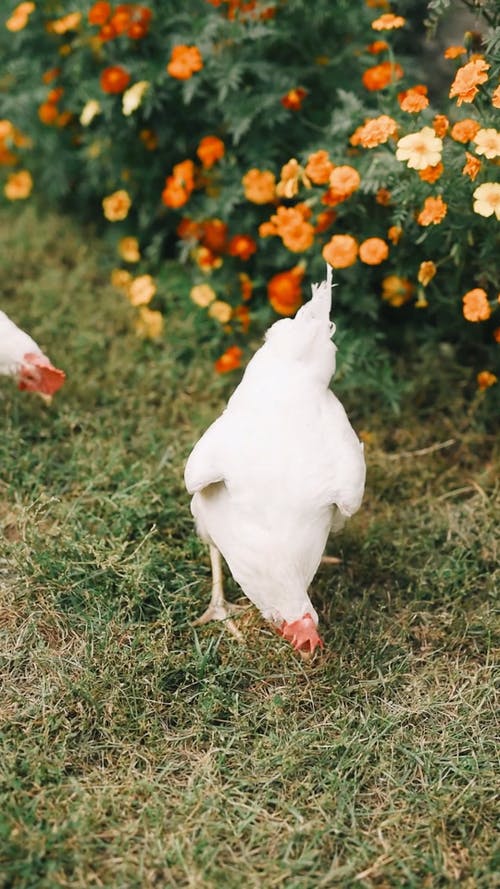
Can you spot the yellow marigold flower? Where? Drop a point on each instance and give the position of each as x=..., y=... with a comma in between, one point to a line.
x=388, y=21
x=18, y=186
x=487, y=199
x=141, y=290
x=202, y=295
x=467, y=78
x=133, y=97
x=475, y=305
x=397, y=291
x=121, y=278
x=259, y=186
x=341, y=251
x=426, y=272
x=319, y=167
x=464, y=130
x=66, y=23
x=495, y=99
x=220, y=310
x=485, y=379
x=117, y=205
x=149, y=323
x=453, y=52
x=487, y=142
x=472, y=166
x=413, y=101
x=374, y=132
x=128, y=248
x=420, y=150
x=344, y=181
x=373, y=251
x=394, y=234
x=433, y=211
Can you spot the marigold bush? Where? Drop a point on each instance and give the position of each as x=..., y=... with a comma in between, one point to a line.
x=250, y=141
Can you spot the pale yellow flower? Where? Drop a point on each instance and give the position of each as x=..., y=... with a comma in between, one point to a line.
x=149, y=323
x=90, y=110
x=487, y=142
x=141, y=290
x=202, y=295
x=133, y=97
x=128, y=248
x=420, y=150
x=220, y=310
x=487, y=199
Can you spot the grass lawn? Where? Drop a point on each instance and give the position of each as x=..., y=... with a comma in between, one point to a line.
x=138, y=752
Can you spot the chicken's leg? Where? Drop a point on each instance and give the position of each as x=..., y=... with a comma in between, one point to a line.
x=218, y=608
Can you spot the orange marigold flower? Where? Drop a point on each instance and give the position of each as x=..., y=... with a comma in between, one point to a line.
x=433, y=211
x=220, y=311
x=440, y=125
x=206, y=259
x=319, y=167
x=259, y=186
x=214, y=235
x=19, y=17
x=50, y=75
x=47, y=112
x=426, y=272
x=374, y=131
x=485, y=379
x=344, y=181
x=383, y=197
x=373, y=251
x=377, y=46
x=148, y=323
x=294, y=99
x=242, y=246
x=284, y=291
x=397, y=291
x=496, y=334
x=175, y=193
x=380, y=76
x=18, y=186
x=189, y=230
x=475, y=305
x=388, y=22
x=290, y=177
x=472, y=166
x=117, y=205
x=465, y=130
x=453, y=52
x=114, y=79
x=99, y=13
x=128, y=248
x=413, y=100
x=341, y=251
x=394, y=234
x=495, y=99
x=184, y=62
x=141, y=290
x=431, y=174
x=210, y=150
x=241, y=314
x=149, y=139
x=229, y=360
x=324, y=220
x=291, y=225
x=467, y=79
x=246, y=286
x=184, y=173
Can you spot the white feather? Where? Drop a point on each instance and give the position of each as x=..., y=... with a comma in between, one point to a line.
x=14, y=344
x=281, y=465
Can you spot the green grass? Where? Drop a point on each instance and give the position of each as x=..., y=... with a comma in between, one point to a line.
x=136, y=752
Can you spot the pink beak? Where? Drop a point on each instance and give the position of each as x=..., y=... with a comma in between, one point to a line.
x=302, y=634
x=39, y=375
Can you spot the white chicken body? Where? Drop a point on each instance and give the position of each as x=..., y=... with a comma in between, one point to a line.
x=14, y=344
x=281, y=467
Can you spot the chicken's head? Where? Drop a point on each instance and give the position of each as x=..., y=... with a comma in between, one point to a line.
x=37, y=374
x=302, y=634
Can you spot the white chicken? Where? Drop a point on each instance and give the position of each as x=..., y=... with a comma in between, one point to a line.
x=276, y=472
x=22, y=358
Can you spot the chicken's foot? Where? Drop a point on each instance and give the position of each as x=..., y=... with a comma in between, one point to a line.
x=219, y=608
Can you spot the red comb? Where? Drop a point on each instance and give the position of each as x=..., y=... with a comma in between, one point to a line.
x=48, y=378
x=302, y=634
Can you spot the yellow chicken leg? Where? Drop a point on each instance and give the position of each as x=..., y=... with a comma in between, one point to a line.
x=218, y=608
